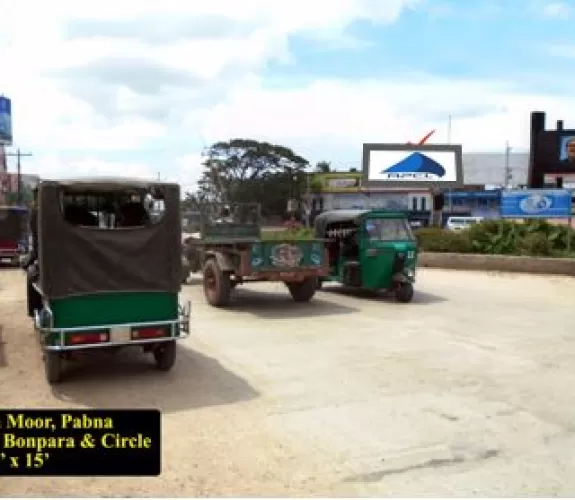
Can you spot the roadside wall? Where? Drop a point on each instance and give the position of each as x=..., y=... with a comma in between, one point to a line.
x=504, y=263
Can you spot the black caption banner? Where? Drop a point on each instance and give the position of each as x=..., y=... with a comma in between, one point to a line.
x=80, y=442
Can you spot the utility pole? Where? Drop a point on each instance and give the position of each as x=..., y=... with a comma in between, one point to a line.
x=508, y=175
x=19, y=155
x=449, y=129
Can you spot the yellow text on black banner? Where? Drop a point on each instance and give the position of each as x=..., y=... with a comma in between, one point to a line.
x=80, y=442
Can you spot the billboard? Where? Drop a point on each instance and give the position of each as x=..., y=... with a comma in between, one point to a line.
x=536, y=203
x=5, y=121
x=337, y=182
x=399, y=165
x=567, y=151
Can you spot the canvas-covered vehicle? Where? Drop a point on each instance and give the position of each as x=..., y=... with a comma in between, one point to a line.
x=369, y=249
x=230, y=249
x=13, y=233
x=105, y=269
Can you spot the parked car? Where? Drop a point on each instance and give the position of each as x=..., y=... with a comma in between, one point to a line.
x=459, y=223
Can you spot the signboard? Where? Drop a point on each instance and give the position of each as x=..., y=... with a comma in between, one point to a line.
x=567, y=150
x=338, y=182
x=387, y=201
x=399, y=165
x=5, y=121
x=536, y=203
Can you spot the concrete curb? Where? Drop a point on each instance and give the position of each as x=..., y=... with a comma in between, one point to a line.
x=503, y=263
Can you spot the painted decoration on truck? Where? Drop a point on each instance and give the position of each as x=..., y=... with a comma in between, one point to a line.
x=286, y=255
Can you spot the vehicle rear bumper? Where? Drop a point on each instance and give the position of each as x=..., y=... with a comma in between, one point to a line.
x=178, y=329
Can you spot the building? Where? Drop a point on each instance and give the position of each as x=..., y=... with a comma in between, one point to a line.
x=484, y=174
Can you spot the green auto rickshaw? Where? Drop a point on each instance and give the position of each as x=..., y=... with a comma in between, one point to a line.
x=369, y=249
x=105, y=269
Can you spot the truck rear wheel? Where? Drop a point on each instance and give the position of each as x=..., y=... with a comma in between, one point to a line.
x=217, y=285
x=303, y=291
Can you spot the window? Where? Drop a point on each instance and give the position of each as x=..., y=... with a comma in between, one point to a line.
x=423, y=203
x=388, y=229
x=114, y=208
x=414, y=204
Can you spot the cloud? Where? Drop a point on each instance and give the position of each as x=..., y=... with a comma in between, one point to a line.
x=557, y=10
x=563, y=50
x=484, y=113
x=136, y=88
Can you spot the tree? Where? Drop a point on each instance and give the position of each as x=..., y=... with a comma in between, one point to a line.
x=248, y=171
x=323, y=167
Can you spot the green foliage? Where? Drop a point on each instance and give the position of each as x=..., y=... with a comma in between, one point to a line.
x=501, y=237
x=434, y=239
x=535, y=244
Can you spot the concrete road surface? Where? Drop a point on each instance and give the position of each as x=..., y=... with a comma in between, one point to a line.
x=466, y=391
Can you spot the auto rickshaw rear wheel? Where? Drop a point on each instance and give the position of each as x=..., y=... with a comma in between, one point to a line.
x=404, y=292
x=165, y=355
x=304, y=290
x=53, y=367
x=217, y=284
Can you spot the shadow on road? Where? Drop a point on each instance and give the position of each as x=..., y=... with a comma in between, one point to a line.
x=278, y=305
x=419, y=297
x=128, y=379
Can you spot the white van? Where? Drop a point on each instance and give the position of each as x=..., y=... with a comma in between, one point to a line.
x=459, y=223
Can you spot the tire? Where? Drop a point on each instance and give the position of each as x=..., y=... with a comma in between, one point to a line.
x=304, y=291
x=165, y=355
x=217, y=284
x=34, y=300
x=404, y=292
x=319, y=284
x=53, y=367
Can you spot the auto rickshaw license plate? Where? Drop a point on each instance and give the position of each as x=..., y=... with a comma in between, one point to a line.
x=120, y=334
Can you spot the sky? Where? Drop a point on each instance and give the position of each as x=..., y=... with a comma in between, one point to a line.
x=142, y=88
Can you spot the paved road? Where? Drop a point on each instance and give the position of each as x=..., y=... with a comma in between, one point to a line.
x=466, y=391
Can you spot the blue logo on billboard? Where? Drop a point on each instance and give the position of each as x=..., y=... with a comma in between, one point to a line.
x=415, y=166
x=532, y=203
x=5, y=121
x=535, y=204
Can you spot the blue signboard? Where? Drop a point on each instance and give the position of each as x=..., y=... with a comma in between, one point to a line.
x=536, y=203
x=5, y=121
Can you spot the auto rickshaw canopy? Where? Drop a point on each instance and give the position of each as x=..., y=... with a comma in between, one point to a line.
x=75, y=259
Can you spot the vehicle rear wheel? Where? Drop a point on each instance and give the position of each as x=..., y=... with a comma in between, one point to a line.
x=217, y=285
x=303, y=291
x=34, y=301
x=319, y=284
x=165, y=355
x=53, y=367
x=404, y=292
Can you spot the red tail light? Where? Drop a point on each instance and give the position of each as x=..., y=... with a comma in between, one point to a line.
x=148, y=333
x=87, y=338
